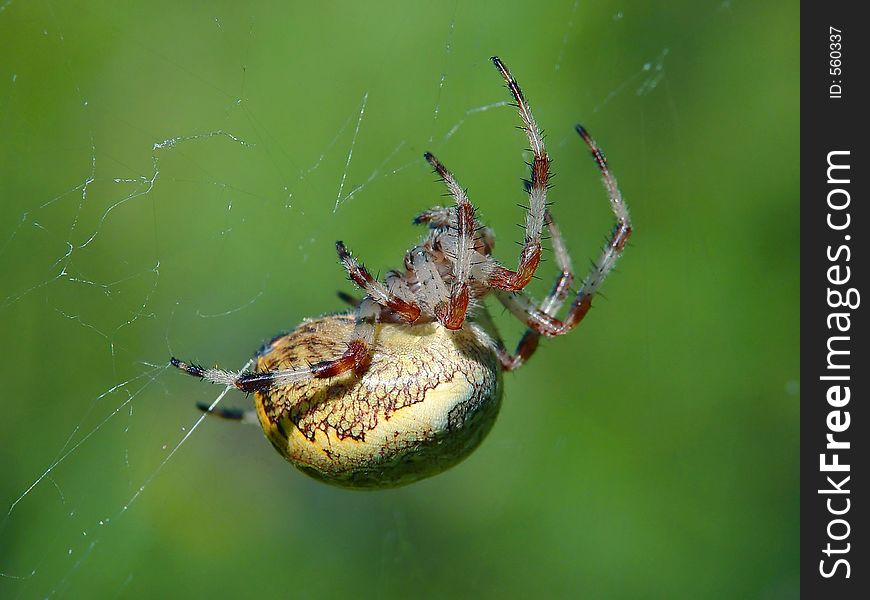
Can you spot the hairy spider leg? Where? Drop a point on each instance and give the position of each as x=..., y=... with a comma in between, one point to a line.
x=374, y=288
x=348, y=298
x=550, y=305
x=439, y=217
x=459, y=248
x=357, y=357
x=432, y=290
x=538, y=318
x=498, y=276
x=230, y=414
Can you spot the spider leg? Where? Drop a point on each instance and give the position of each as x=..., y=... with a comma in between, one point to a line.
x=524, y=308
x=499, y=277
x=550, y=305
x=459, y=246
x=358, y=353
x=397, y=286
x=348, y=298
x=486, y=332
x=437, y=217
x=247, y=381
x=231, y=414
x=541, y=319
x=525, y=348
x=432, y=292
x=374, y=288
x=219, y=376
x=356, y=357
x=554, y=300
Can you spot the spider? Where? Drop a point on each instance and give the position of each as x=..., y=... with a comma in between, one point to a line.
x=410, y=382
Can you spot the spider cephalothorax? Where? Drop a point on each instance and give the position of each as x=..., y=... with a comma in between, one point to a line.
x=411, y=383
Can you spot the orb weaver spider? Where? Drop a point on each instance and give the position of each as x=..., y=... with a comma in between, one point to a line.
x=410, y=383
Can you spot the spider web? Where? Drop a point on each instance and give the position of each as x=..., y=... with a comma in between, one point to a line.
x=167, y=190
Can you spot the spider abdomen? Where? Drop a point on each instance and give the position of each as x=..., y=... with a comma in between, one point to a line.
x=426, y=400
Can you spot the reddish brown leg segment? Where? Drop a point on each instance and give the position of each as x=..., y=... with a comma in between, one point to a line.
x=551, y=304
x=525, y=348
x=358, y=354
x=540, y=319
x=374, y=288
x=356, y=357
x=460, y=246
x=530, y=256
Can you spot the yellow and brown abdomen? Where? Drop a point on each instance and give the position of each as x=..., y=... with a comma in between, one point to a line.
x=427, y=399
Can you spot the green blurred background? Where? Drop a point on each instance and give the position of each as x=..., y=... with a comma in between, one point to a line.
x=169, y=180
